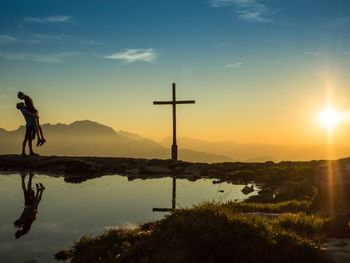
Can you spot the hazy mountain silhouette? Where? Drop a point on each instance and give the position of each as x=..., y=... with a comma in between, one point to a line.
x=88, y=138
x=260, y=152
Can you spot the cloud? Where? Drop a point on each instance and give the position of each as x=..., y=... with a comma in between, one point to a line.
x=134, y=55
x=47, y=37
x=6, y=39
x=252, y=16
x=41, y=58
x=234, y=65
x=247, y=10
x=49, y=19
x=314, y=53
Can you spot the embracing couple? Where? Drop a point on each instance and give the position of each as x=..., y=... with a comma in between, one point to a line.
x=33, y=128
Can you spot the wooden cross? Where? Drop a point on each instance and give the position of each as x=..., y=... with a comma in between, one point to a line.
x=174, y=102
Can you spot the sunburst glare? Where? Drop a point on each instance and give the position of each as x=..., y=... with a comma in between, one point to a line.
x=329, y=118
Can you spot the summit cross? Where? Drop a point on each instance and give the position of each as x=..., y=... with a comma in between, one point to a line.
x=173, y=102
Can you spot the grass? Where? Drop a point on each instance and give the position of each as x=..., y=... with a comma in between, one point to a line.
x=281, y=207
x=210, y=233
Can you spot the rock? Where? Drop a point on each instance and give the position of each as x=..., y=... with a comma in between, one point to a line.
x=263, y=198
x=192, y=169
x=247, y=189
x=292, y=190
x=134, y=171
x=157, y=170
x=78, y=167
x=241, y=174
x=287, y=190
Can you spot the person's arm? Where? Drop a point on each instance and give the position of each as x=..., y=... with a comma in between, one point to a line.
x=25, y=111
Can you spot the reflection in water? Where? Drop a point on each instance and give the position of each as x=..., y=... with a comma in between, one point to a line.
x=173, y=200
x=32, y=199
x=247, y=190
x=69, y=211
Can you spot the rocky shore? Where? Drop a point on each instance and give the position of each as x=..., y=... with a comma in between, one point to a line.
x=278, y=181
x=82, y=168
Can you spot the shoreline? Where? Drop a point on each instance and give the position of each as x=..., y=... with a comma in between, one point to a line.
x=290, y=180
x=86, y=167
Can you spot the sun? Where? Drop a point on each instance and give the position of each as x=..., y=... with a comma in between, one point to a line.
x=329, y=118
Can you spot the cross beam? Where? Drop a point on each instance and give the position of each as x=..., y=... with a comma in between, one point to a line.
x=173, y=103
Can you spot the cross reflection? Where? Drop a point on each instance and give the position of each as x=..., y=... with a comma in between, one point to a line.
x=173, y=200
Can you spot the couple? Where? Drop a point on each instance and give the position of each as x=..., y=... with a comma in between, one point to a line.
x=31, y=116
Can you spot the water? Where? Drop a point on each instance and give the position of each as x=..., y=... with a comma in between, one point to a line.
x=68, y=211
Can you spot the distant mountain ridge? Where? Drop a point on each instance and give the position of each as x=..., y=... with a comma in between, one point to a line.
x=89, y=138
x=254, y=152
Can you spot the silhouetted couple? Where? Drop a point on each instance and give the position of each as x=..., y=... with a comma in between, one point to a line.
x=33, y=128
x=32, y=199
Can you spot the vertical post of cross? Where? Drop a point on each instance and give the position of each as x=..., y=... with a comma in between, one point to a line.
x=174, y=145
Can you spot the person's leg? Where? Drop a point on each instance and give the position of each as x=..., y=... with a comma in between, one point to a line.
x=27, y=136
x=40, y=131
x=30, y=144
x=37, y=131
x=23, y=176
x=30, y=141
x=24, y=147
x=31, y=175
x=38, y=197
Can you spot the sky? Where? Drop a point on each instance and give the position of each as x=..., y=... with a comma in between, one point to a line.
x=260, y=71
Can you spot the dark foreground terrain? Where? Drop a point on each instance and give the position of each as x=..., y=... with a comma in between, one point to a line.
x=299, y=207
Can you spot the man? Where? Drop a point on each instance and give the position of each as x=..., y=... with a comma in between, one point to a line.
x=31, y=108
x=30, y=129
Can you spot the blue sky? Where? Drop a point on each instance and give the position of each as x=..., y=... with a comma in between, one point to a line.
x=238, y=53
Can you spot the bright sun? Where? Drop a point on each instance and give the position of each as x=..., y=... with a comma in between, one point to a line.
x=329, y=117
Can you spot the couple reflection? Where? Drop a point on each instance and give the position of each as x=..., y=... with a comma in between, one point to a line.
x=32, y=198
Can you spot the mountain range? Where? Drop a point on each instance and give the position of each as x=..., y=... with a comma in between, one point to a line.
x=89, y=138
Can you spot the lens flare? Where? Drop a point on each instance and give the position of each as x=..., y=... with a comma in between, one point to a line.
x=329, y=117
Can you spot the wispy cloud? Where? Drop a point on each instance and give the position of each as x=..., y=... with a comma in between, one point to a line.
x=314, y=53
x=48, y=37
x=134, y=55
x=49, y=19
x=234, y=65
x=41, y=58
x=247, y=10
x=38, y=38
x=6, y=39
